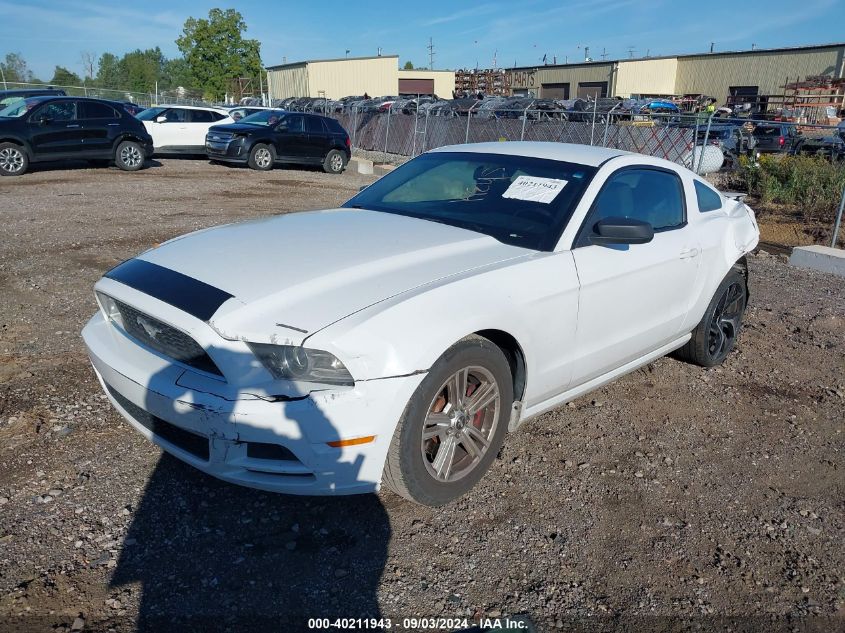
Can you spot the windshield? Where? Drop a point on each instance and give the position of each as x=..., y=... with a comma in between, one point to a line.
x=149, y=114
x=264, y=117
x=20, y=107
x=515, y=199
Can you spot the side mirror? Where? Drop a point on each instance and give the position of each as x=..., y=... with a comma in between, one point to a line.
x=362, y=187
x=622, y=231
x=43, y=119
x=161, y=119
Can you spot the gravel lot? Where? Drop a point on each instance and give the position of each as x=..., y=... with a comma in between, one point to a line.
x=675, y=499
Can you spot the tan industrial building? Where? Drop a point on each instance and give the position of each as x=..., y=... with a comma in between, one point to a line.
x=720, y=75
x=336, y=78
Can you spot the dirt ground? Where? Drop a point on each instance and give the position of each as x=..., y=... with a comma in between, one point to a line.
x=676, y=499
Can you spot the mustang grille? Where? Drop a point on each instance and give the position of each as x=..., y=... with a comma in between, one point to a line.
x=165, y=339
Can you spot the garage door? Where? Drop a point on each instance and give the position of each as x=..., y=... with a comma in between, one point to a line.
x=555, y=91
x=416, y=86
x=593, y=89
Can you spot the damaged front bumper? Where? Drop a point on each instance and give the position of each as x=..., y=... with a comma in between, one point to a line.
x=282, y=443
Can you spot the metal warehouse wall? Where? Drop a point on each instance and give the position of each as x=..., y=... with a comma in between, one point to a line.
x=290, y=81
x=534, y=78
x=444, y=80
x=646, y=77
x=714, y=74
x=377, y=76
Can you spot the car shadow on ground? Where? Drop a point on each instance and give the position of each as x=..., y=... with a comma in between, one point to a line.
x=77, y=165
x=210, y=555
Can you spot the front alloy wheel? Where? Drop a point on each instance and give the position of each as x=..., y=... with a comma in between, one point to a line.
x=261, y=157
x=453, y=426
x=461, y=422
x=13, y=160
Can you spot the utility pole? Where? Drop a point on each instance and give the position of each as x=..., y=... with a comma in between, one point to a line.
x=712, y=44
x=631, y=50
x=4, y=77
x=603, y=53
x=430, y=48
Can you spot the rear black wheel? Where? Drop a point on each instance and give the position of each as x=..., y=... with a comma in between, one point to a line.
x=717, y=332
x=129, y=156
x=334, y=163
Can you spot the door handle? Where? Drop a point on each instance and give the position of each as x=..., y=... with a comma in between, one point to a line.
x=689, y=253
x=73, y=125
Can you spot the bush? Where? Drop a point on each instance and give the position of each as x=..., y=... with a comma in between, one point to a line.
x=812, y=184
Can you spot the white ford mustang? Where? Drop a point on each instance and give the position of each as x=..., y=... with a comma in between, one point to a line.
x=399, y=338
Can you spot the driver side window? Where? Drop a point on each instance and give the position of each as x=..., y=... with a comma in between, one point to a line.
x=294, y=123
x=649, y=195
x=58, y=111
x=175, y=116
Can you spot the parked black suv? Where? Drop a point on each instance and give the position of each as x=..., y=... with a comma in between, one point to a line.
x=275, y=136
x=40, y=129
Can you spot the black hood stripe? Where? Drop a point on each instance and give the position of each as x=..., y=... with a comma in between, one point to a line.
x=186, y=293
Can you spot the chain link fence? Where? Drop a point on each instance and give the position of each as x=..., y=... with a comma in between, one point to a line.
x=796, y=172
x=145, y=99
x=703, y=142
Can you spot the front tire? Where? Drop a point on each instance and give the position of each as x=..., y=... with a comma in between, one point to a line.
x=13, y=160
x=261, y=157
x=129, y=156
x=334, y=163
x=717, y=332
x=453, y=426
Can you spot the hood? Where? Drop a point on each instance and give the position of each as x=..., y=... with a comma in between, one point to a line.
x=308, y=270
x=237, y=128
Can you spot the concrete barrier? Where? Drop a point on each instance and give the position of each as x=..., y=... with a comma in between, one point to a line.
x=361, y=165
x=823, y=258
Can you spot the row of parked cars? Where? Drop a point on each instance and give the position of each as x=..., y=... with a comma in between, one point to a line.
x=52, y=126
x=743, y=138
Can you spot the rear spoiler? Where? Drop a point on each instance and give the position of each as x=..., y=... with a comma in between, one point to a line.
x=735, y=195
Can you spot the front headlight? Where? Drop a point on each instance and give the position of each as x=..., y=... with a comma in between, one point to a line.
x=110, y=309
x=290, y=362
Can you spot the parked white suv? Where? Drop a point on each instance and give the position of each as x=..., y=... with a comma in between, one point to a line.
x=181, y=129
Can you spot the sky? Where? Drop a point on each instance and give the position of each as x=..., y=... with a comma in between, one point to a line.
x=519, y=33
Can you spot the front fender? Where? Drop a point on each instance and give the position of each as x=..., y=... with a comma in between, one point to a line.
x=535, y=300
x=10, y=138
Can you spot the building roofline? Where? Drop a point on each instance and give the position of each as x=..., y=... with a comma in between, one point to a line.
x=755, y=51
x=423, y=70
x=318, y=61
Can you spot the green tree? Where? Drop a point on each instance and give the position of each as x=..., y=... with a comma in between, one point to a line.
x=409, y=65
x=15, y=68
x=110, y=74
x=63, y=77
x=178, y=73
x=216, y=51
x=142, y=70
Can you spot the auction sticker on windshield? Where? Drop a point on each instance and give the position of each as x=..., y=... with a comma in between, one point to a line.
x=535, y=189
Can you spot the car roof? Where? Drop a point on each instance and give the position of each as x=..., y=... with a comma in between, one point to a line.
x=566, y=152
x=51, y=97
x=189, y=107
x=21, y=91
